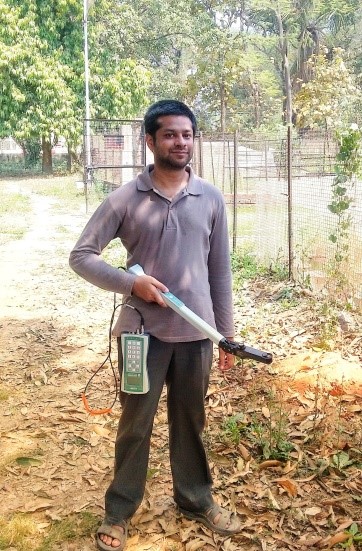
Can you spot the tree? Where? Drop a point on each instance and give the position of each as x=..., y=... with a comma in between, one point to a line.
x=327, y=100
x=228, y=69
x=41, y=74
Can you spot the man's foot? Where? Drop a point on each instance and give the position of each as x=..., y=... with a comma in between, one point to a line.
x=216, y=518
x=111, y=537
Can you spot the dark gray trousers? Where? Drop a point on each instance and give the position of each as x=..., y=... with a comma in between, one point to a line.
x=185, y=367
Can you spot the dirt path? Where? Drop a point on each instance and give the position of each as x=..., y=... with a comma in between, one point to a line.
x=48, y=339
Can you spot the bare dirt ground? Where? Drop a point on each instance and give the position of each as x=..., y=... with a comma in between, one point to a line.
x=56, y=459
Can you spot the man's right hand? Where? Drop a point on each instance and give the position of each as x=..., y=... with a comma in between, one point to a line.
x=148, y=288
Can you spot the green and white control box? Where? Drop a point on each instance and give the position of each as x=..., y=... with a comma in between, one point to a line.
x=135, y=374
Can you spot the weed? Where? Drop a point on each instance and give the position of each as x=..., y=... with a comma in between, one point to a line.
x=232, y=428
x=355, y=537
x=22, y=532
x=287, y=298
x=277, y=271
x=328, y=327
x=270, y=439
x=244, y=265
x=14, y=203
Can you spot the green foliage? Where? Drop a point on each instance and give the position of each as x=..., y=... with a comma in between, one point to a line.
x=244, y=265
x=347, y=168
x=355, y=536
x=233, y=427
x=321, y=102
x=42, y=73
x=32, y=152
x=269, y=436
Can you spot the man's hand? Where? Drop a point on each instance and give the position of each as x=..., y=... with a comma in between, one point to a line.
x=148, y=288
x=226, y=361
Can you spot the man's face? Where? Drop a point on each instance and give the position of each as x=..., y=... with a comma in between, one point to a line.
x=173, y=144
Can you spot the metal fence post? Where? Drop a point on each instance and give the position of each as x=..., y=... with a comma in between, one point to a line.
x=201, y=156
x=235, y=191
x=290, y=204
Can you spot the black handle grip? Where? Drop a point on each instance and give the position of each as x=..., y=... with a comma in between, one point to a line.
x=243, y=351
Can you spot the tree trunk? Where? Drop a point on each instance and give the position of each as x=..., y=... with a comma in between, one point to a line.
x=69, y=159
x=47, y=160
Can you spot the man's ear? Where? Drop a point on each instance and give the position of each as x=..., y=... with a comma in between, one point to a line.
x=150, y=142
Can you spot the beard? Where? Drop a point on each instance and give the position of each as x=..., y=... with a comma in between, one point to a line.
x=170, y=162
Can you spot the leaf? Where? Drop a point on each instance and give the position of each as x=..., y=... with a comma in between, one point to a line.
x=273, y=500
x=333, y=540
x=289, y=486
x=244, y=452
x=313, y=511
x=101, y=431
x=28, y=461
x=269, y=464
x=193, y=545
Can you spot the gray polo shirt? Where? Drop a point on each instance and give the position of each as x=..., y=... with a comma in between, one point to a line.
x=182, y=242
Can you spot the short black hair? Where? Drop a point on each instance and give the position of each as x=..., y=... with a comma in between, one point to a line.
x=164, y=108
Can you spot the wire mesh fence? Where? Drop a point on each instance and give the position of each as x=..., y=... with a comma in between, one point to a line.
x=277, y=193
x=117, y=151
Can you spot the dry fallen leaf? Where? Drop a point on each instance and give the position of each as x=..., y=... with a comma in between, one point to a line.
x=288, y=485
x=333, y=540
x=269, y=464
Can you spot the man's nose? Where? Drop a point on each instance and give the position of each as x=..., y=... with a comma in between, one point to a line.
x=180, y=141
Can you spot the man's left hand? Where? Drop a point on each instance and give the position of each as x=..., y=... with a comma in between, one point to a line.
x=226, y=361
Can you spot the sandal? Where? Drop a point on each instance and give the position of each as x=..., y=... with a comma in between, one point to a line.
x=227, y=524
x=113, y=532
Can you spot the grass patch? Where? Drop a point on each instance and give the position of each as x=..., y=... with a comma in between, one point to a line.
x=14, y=203
x=245, y=266
x=22, y=532
x=14, y=208
x=70, y=529
x=4, y=394
x=67, y=197
x=19, y=533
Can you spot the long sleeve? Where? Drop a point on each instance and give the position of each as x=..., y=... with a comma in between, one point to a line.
x=85, y=259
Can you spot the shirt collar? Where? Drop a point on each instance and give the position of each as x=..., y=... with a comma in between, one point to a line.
x=144, y=182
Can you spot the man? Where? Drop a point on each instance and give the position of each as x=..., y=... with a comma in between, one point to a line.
x=173, y=224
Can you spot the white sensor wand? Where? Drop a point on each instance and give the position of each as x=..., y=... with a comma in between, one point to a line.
x=237, y=349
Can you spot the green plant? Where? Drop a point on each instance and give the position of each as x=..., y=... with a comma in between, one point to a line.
x=277, y=271
x=328, y=326
x=18, y=531
x=270, y=435
x=342, y=460
x=348, y=165
x=244, y=265
x=232, y=428
x=287, y=297
x=355, y=537
x=14, y=203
